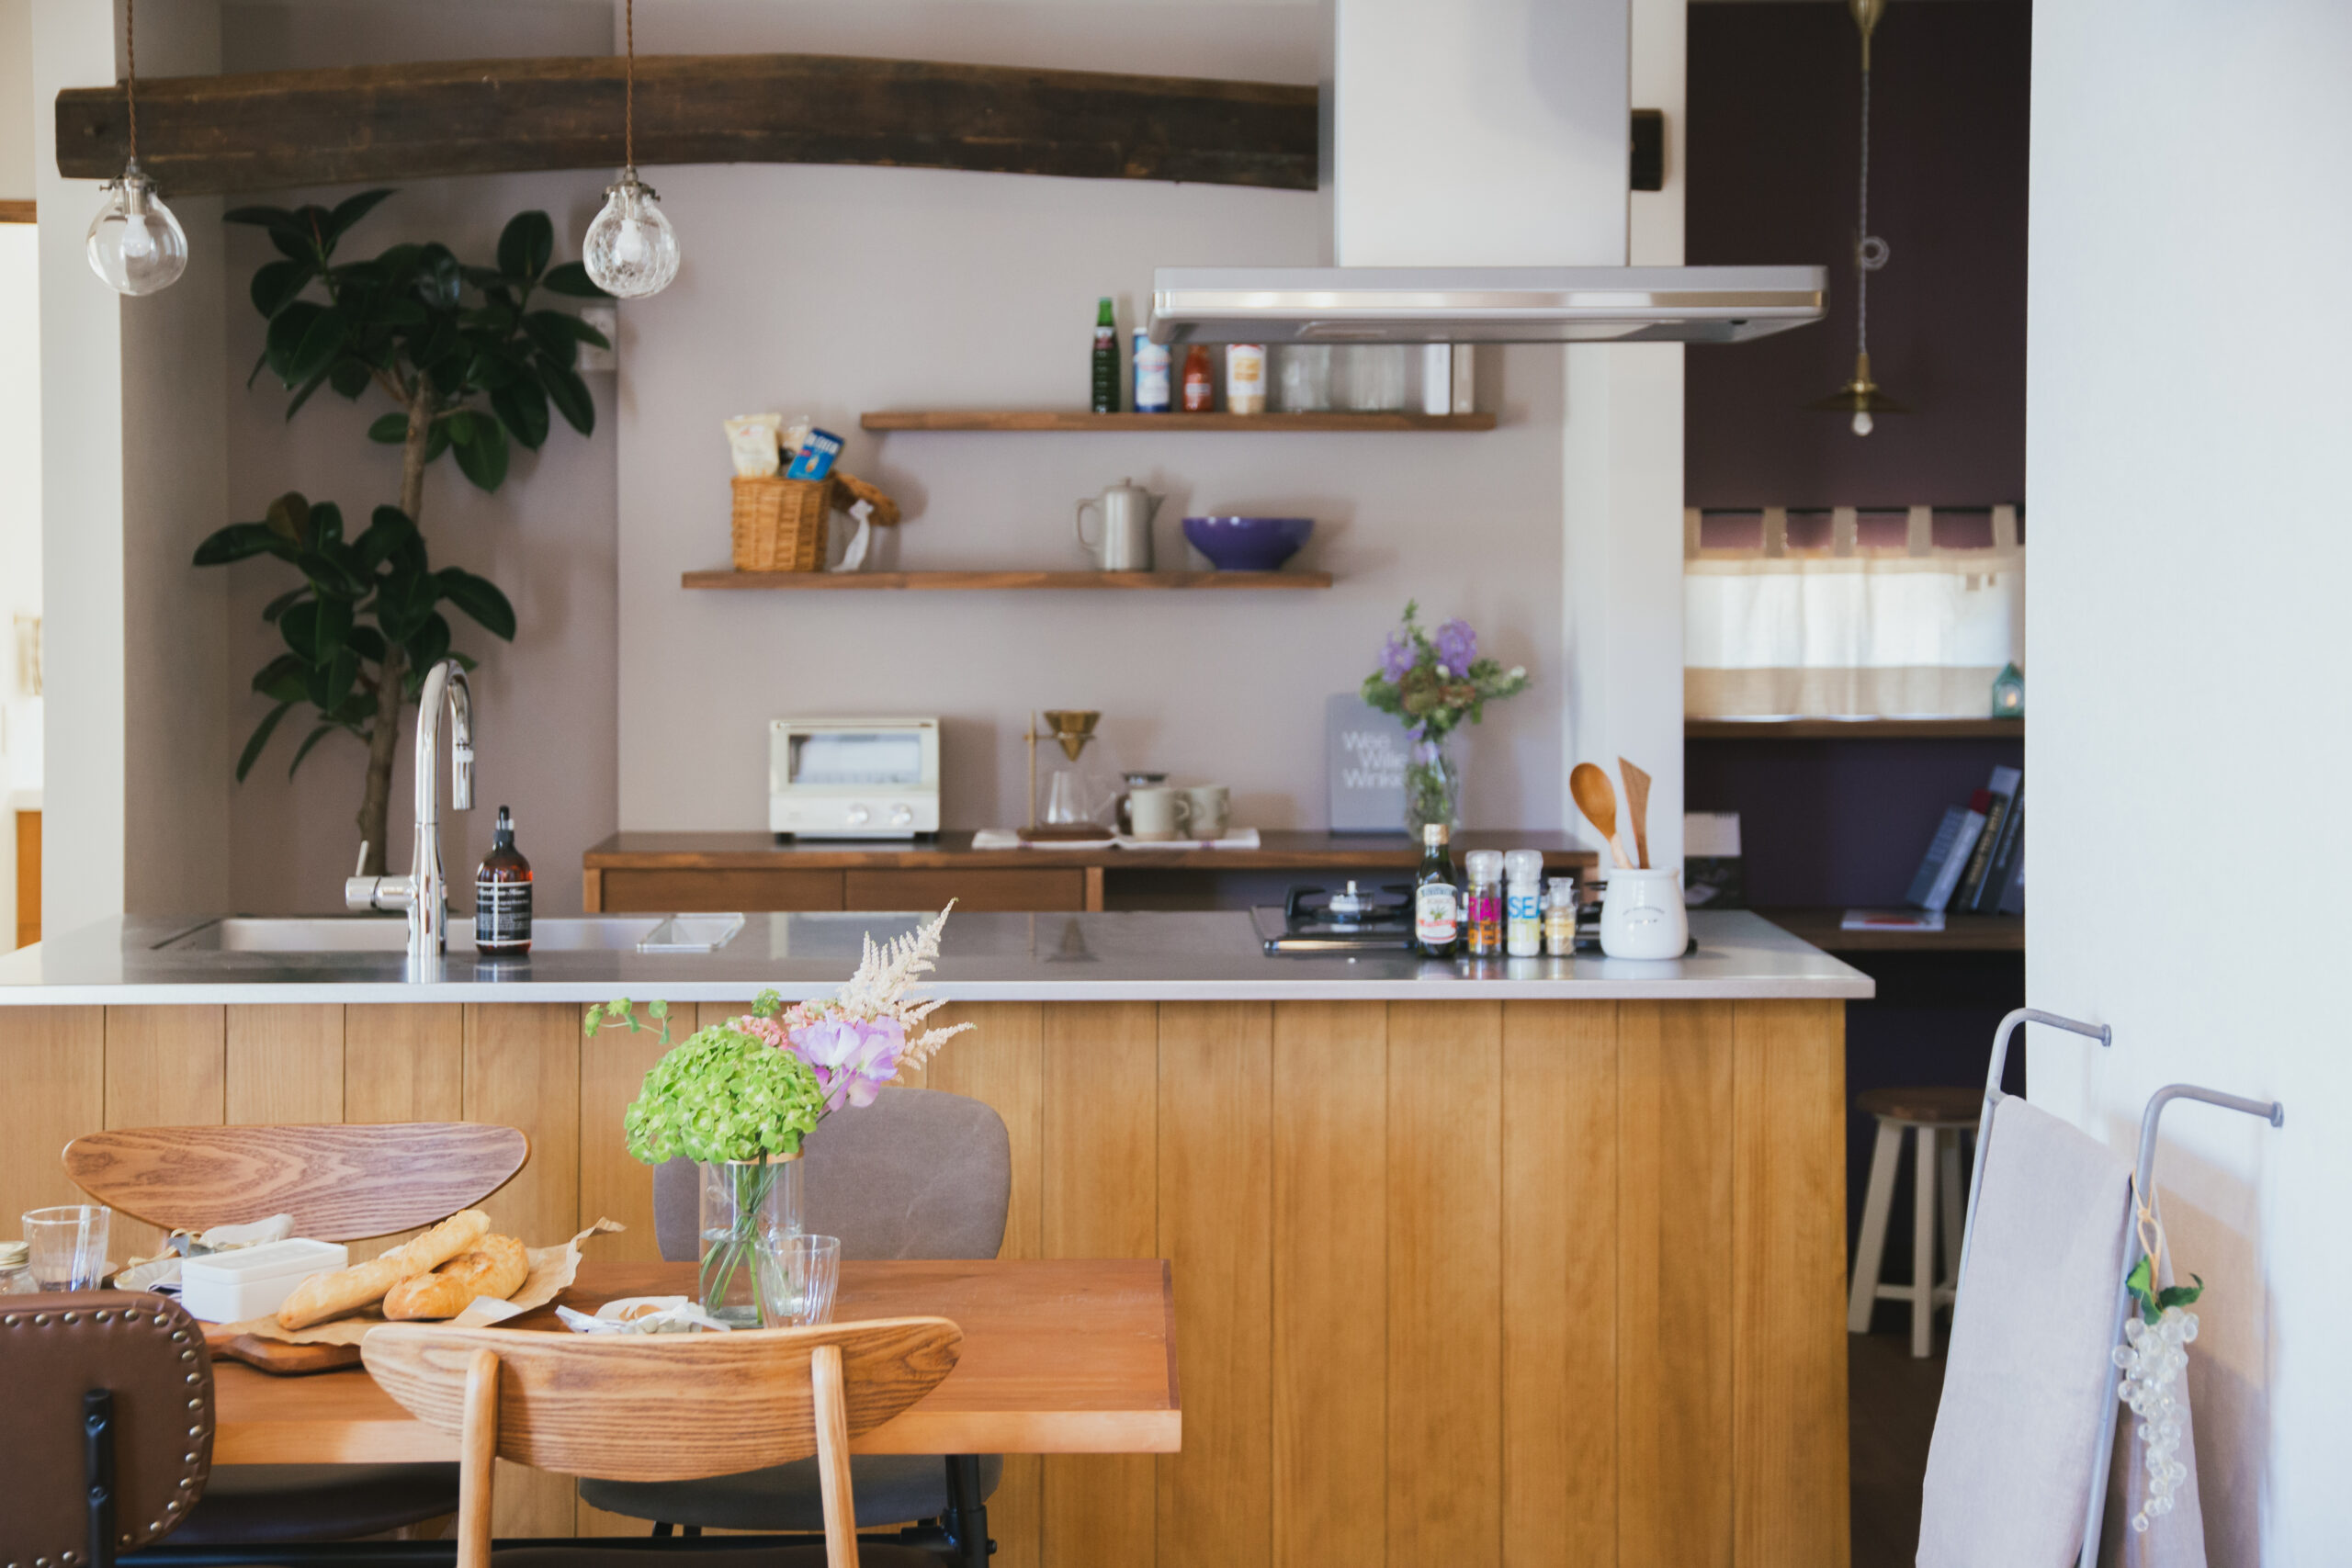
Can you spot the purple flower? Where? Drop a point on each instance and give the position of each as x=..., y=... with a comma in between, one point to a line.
x=1457, y=646
x=852, y=1058
x=1396, y=657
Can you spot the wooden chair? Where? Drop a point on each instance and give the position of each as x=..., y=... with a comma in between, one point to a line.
x=341, y=1183
x=664, y=1407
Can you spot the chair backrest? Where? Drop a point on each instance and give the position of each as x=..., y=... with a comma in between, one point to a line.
x=341, y=1183
x=919, y=1173
x=660, y=1406
x=148, y=1357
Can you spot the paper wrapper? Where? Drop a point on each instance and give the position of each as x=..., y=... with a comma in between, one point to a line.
x=553, y=1270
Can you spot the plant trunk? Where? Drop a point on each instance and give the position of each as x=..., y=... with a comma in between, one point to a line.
x=392, y=677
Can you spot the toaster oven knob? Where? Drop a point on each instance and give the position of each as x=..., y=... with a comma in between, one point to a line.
x=902, y=816
x=857, y=815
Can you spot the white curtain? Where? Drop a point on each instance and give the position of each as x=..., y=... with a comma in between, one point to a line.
x=1912, y=631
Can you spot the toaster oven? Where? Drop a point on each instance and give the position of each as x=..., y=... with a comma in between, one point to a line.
x=854, y=778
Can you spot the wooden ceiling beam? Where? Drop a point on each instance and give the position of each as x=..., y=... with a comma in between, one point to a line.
x=201, y=135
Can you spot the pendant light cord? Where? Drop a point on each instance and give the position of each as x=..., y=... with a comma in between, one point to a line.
x=628, y=111
x=1862, y=243
x=130, y=47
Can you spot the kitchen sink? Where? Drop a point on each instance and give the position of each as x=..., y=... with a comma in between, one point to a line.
x=374, y=933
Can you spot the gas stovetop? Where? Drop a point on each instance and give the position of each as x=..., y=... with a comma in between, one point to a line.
x=1358, y=918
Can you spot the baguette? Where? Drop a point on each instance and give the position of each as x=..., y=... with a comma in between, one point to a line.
x=496, y=1267
x=322, y=1296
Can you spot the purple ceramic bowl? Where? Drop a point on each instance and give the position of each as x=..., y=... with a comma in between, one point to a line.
x=1248, y=544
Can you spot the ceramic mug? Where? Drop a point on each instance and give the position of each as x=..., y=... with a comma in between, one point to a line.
x=1212, y=810
x=1158, y=813
x=1641, y=915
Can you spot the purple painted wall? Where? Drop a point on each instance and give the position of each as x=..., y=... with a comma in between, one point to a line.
x=1773, y=135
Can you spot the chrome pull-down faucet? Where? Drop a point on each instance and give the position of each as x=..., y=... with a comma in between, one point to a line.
x=423, y=893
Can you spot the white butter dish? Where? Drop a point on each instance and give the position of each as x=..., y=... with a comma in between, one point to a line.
x=250, y=1281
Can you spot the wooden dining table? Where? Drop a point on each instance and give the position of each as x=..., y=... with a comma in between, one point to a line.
x=1059, y=1356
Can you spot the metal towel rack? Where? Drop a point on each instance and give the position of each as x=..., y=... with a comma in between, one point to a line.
x=2270, y=1111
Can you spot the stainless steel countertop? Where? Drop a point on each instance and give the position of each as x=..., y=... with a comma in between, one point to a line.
x=1139, y=957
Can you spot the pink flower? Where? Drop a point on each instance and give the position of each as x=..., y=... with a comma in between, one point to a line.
x=852, y=1058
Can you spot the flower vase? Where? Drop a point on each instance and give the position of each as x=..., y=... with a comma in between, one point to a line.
x=744, y=1203
x=1433, y=788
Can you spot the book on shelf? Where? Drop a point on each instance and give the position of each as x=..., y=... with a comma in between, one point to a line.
x=2003, y=788
x=1892, y=920
x=2007, y=860
x=1947, y=857
x=2011, y=897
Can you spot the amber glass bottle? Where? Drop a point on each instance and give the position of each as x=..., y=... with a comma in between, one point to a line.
x=503, y=896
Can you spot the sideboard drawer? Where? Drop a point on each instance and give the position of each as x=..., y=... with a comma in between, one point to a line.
x=1013, y=887
x=666, y=891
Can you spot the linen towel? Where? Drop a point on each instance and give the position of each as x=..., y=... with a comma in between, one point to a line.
x=2025, y=1382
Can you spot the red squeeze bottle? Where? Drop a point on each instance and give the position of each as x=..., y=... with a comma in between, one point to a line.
x=1200, y=385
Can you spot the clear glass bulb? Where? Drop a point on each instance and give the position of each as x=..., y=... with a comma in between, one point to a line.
x=630, y=250
x=136, y=246
x=1861, y=422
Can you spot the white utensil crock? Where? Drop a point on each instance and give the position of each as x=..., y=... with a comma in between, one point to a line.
x=1641, y=915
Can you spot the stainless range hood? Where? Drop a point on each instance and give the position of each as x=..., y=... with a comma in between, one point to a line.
x=1482, y=304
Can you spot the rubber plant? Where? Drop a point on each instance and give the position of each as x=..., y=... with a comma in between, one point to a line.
x=473, y=367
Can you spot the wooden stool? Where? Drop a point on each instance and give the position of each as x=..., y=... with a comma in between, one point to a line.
x=1938, y=1116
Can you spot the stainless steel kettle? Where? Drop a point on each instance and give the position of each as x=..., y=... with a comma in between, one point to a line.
x=1126, y=510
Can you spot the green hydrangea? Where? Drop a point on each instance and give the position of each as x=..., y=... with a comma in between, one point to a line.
x=723, y=1095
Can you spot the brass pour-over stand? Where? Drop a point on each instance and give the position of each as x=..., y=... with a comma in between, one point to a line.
x=1073, y=728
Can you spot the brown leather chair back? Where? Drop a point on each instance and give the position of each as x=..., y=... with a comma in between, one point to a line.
x=150, y=1355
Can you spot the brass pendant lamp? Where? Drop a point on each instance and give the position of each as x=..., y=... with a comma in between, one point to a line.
x=1862, y=397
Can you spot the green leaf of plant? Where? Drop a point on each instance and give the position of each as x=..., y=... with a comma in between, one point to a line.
x=570, y=277
x=322, y=341
x=238, y=541
x=331, y=681
x=550, y=331
x=283, y=340
x=428, y=646
x=321, y=733
x=523, y=407
x=276, y=284
x=480, y=598
x=391, y=429
x=489, y=371
x=280, y=678
x=300, y=626
x=483, y=459
x=278, y=606
x=525, y=244
x=350, y=377
x=326, y=522
x=436, y=440
x=440, y=280
x=259, y=739
x=302, y=393
x=351, y=211
x=387, y=531
x=295, y=238
x=570, y=395
x=289, y=517
x=368, y=643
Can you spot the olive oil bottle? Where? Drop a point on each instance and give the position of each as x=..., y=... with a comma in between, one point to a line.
x=1437, y=902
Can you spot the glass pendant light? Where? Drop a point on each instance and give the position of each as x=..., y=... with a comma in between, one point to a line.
x=630, y=250
x=136, y=246
x=1860, y=397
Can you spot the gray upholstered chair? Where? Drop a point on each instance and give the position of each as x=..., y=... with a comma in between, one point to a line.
x=918, y=1174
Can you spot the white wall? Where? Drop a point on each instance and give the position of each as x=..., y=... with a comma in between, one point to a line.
x=2187, y=330
x=833, y=290
x=17, y=108
x=20, y=715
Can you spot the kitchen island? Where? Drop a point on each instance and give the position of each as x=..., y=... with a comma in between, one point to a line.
x=1533, y=1262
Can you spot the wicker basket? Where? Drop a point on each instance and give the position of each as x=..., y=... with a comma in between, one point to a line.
x=779, y=525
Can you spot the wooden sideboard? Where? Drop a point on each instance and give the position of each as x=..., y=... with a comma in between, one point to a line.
x=663, y=872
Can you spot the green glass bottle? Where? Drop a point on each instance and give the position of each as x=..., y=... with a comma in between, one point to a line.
x=1437, y=903
x=1106, y=360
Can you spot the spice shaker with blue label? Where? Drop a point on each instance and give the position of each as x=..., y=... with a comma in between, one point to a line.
x=503, y=896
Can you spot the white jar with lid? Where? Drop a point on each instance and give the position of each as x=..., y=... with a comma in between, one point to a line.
x=1641, y=915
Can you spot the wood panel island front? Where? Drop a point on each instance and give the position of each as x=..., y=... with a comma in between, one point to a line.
x=1536, y=1263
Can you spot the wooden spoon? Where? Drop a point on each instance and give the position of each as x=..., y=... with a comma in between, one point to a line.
x=1598, y=800
x=1637, y=801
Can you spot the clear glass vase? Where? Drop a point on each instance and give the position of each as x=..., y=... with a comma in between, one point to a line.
x=743, y=1202
x=1433, y=788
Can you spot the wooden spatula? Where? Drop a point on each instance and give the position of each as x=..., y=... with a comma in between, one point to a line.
x=1637, y=801
x=1598, y=800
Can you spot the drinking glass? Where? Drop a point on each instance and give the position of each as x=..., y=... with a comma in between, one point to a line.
x=797, y=1274
x=68, y=1246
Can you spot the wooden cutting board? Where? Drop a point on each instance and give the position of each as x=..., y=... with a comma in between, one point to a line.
x=280, y=1360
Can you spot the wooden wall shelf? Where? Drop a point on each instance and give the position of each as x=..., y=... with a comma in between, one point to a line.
x=1852, y=728
x=986, y=581
x=1961, y=933
x=1077, y=420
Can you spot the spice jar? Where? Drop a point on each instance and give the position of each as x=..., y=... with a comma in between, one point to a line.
x=1560, y=919
x=1484, y=927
